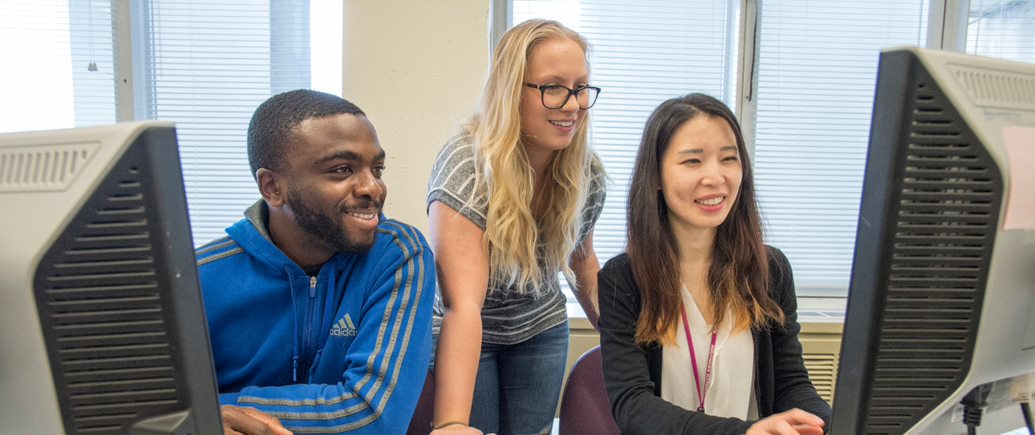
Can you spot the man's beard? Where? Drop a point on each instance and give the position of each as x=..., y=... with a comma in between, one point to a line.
x=327, y=229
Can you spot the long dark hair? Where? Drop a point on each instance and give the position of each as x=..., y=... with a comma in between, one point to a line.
x=739, y=273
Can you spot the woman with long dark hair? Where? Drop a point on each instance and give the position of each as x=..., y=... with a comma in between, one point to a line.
x=698, y=322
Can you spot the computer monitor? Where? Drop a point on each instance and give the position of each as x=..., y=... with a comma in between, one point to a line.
x=943, y=279
x=102, y=328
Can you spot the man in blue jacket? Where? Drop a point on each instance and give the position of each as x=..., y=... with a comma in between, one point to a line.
x=319, y=307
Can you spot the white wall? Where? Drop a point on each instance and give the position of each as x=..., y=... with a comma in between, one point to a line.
x=416, y=68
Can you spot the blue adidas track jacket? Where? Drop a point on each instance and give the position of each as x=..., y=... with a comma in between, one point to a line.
x=344, y=351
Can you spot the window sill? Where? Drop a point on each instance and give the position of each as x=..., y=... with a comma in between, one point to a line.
x=821, y=310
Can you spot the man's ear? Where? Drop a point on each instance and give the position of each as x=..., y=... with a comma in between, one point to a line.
x=271, y=187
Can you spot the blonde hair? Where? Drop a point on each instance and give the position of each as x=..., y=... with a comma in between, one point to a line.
x=513, y=233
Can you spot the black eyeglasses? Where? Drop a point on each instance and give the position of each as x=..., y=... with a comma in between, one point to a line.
x=556, y=96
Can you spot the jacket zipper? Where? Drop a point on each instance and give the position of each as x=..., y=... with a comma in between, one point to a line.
x=308, y=330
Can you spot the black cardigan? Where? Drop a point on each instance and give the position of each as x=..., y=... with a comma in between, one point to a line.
x=632, y=372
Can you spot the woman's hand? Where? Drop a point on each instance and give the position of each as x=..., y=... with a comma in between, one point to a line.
x=793, y=422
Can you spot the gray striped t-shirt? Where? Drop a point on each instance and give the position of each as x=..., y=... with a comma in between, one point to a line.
x=507, y=317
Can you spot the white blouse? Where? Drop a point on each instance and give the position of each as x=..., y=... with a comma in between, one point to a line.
x=730, y=392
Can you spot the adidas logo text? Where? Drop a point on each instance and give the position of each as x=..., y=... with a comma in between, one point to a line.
x=344, y=327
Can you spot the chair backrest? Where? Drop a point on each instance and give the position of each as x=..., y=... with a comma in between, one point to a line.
x=420, y=423
x=584, y=405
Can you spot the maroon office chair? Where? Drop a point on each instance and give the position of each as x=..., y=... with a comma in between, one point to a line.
x=420, y=423
x=584, y=405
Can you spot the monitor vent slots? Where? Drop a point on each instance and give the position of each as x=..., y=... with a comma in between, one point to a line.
x=103, y=320
x=43, y=168
x=945, y=223
x=998, y=89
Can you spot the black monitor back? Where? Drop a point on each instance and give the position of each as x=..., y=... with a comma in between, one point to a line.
x=114, y=285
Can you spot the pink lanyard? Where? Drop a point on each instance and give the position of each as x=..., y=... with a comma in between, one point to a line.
x=693, y=360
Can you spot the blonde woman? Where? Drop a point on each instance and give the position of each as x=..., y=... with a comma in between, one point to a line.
x=698, y=322
x=512, y=201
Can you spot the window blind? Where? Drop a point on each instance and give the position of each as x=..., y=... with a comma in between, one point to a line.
x=209, y=65
x=641, y=53
x=817, y=75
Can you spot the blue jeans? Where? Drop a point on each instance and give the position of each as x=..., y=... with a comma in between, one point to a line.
x=519, y=385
